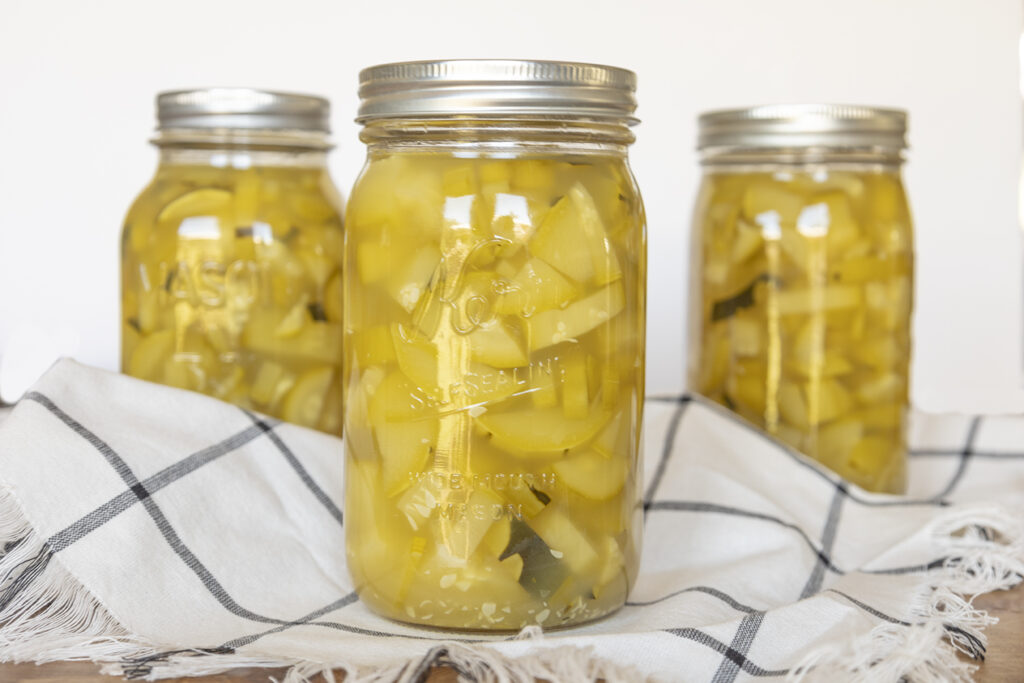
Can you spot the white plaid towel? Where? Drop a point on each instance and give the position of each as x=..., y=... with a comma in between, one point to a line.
x=166, y=533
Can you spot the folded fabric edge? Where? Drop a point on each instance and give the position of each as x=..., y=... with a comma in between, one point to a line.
x=983, y=547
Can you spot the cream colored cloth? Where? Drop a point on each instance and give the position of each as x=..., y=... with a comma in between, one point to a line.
x=165, y=533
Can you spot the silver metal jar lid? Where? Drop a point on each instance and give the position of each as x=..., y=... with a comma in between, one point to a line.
x=803, y=125
x=496, y=87
x=241, y=108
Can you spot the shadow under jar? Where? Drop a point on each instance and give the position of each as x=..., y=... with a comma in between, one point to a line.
x=231, y=256
x=802, y=281
x=494, y=328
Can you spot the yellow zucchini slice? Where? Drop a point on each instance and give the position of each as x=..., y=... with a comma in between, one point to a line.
x=539, y=433
x=592, y=475
x=578, y=318
x=567, y=543
x=305, y=402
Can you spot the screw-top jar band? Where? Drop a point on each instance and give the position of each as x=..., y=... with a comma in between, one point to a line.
x=796, y=126
x=241, y=108
x=497, y=88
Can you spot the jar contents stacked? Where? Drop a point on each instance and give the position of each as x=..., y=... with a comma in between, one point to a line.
x=803, y=276
x=231, y=257
x=494, y=346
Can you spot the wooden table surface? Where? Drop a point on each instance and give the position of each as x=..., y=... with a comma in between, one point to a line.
x=1004, y=664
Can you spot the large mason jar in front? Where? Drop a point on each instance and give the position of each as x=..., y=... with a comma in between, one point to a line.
x=802, y=281
x=231, y=256
x=494, y=329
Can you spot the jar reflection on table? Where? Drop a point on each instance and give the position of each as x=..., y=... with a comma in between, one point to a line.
x=231, y=256
x=803, y=282
x=494, y=360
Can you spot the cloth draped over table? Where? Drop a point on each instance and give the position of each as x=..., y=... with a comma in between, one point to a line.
x=165, y=533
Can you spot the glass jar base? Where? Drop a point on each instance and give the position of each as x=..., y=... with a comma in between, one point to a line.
x=500, y=623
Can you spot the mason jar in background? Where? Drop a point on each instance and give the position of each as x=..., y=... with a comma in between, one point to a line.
x=231, y=256
x=494, y=329
x=802, y=281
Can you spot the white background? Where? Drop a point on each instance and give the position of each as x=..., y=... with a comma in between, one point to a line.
x=77, y=81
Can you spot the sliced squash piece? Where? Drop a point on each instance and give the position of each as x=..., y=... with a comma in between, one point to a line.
x=542, y=388
x=147, y=361
x=539, y=433
x=305, y=402
x=358, y=430
x=295, y=319
x=536, y=287
x=331, y=418
x=575, y=390
x=827, y=400
x=811, y=300
x=334, y=299
x=495, y=344
x=747, y=242
x=462, y=525
x=417, y=357
x=408, y=283
x=554, y=327
x=405, y=449
x=835, y=441
x=373, y=260
x=572, y=239
x=593, y=475
x=567, y=543
x=207, y=201
x=613, y=565
x=373, y=346
x=316, y=342
x=497, y=537
x=272, y=383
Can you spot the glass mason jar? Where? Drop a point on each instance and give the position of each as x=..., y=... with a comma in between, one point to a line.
x=231, y=256
x=494, y=344
x=802, y=280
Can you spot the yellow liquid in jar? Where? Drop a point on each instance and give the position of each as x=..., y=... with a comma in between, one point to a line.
x=494, y=378
x=231, y=286
x=804, y=315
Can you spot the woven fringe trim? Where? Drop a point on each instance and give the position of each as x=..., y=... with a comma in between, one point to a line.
x=985, y=545
x=47, y=615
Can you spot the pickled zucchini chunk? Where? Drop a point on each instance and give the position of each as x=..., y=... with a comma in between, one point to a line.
x=575, y=389
x=410, y=280
x=461, y=534
x=207, y=201
x=147, y=361
x=566, y=541
x=267, y=334
x=232, y=284
x=495, y=343
x=572, y=238
x=575, y=320
x=593, y=475
x=272, y=383
x=536, y=287
x=541, y=433
x=404, y=440
x=305, y=402
x=804, y=312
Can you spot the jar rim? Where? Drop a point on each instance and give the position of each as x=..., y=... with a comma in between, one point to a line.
x=241, y=109
x=497, y=87
x=803, y=126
